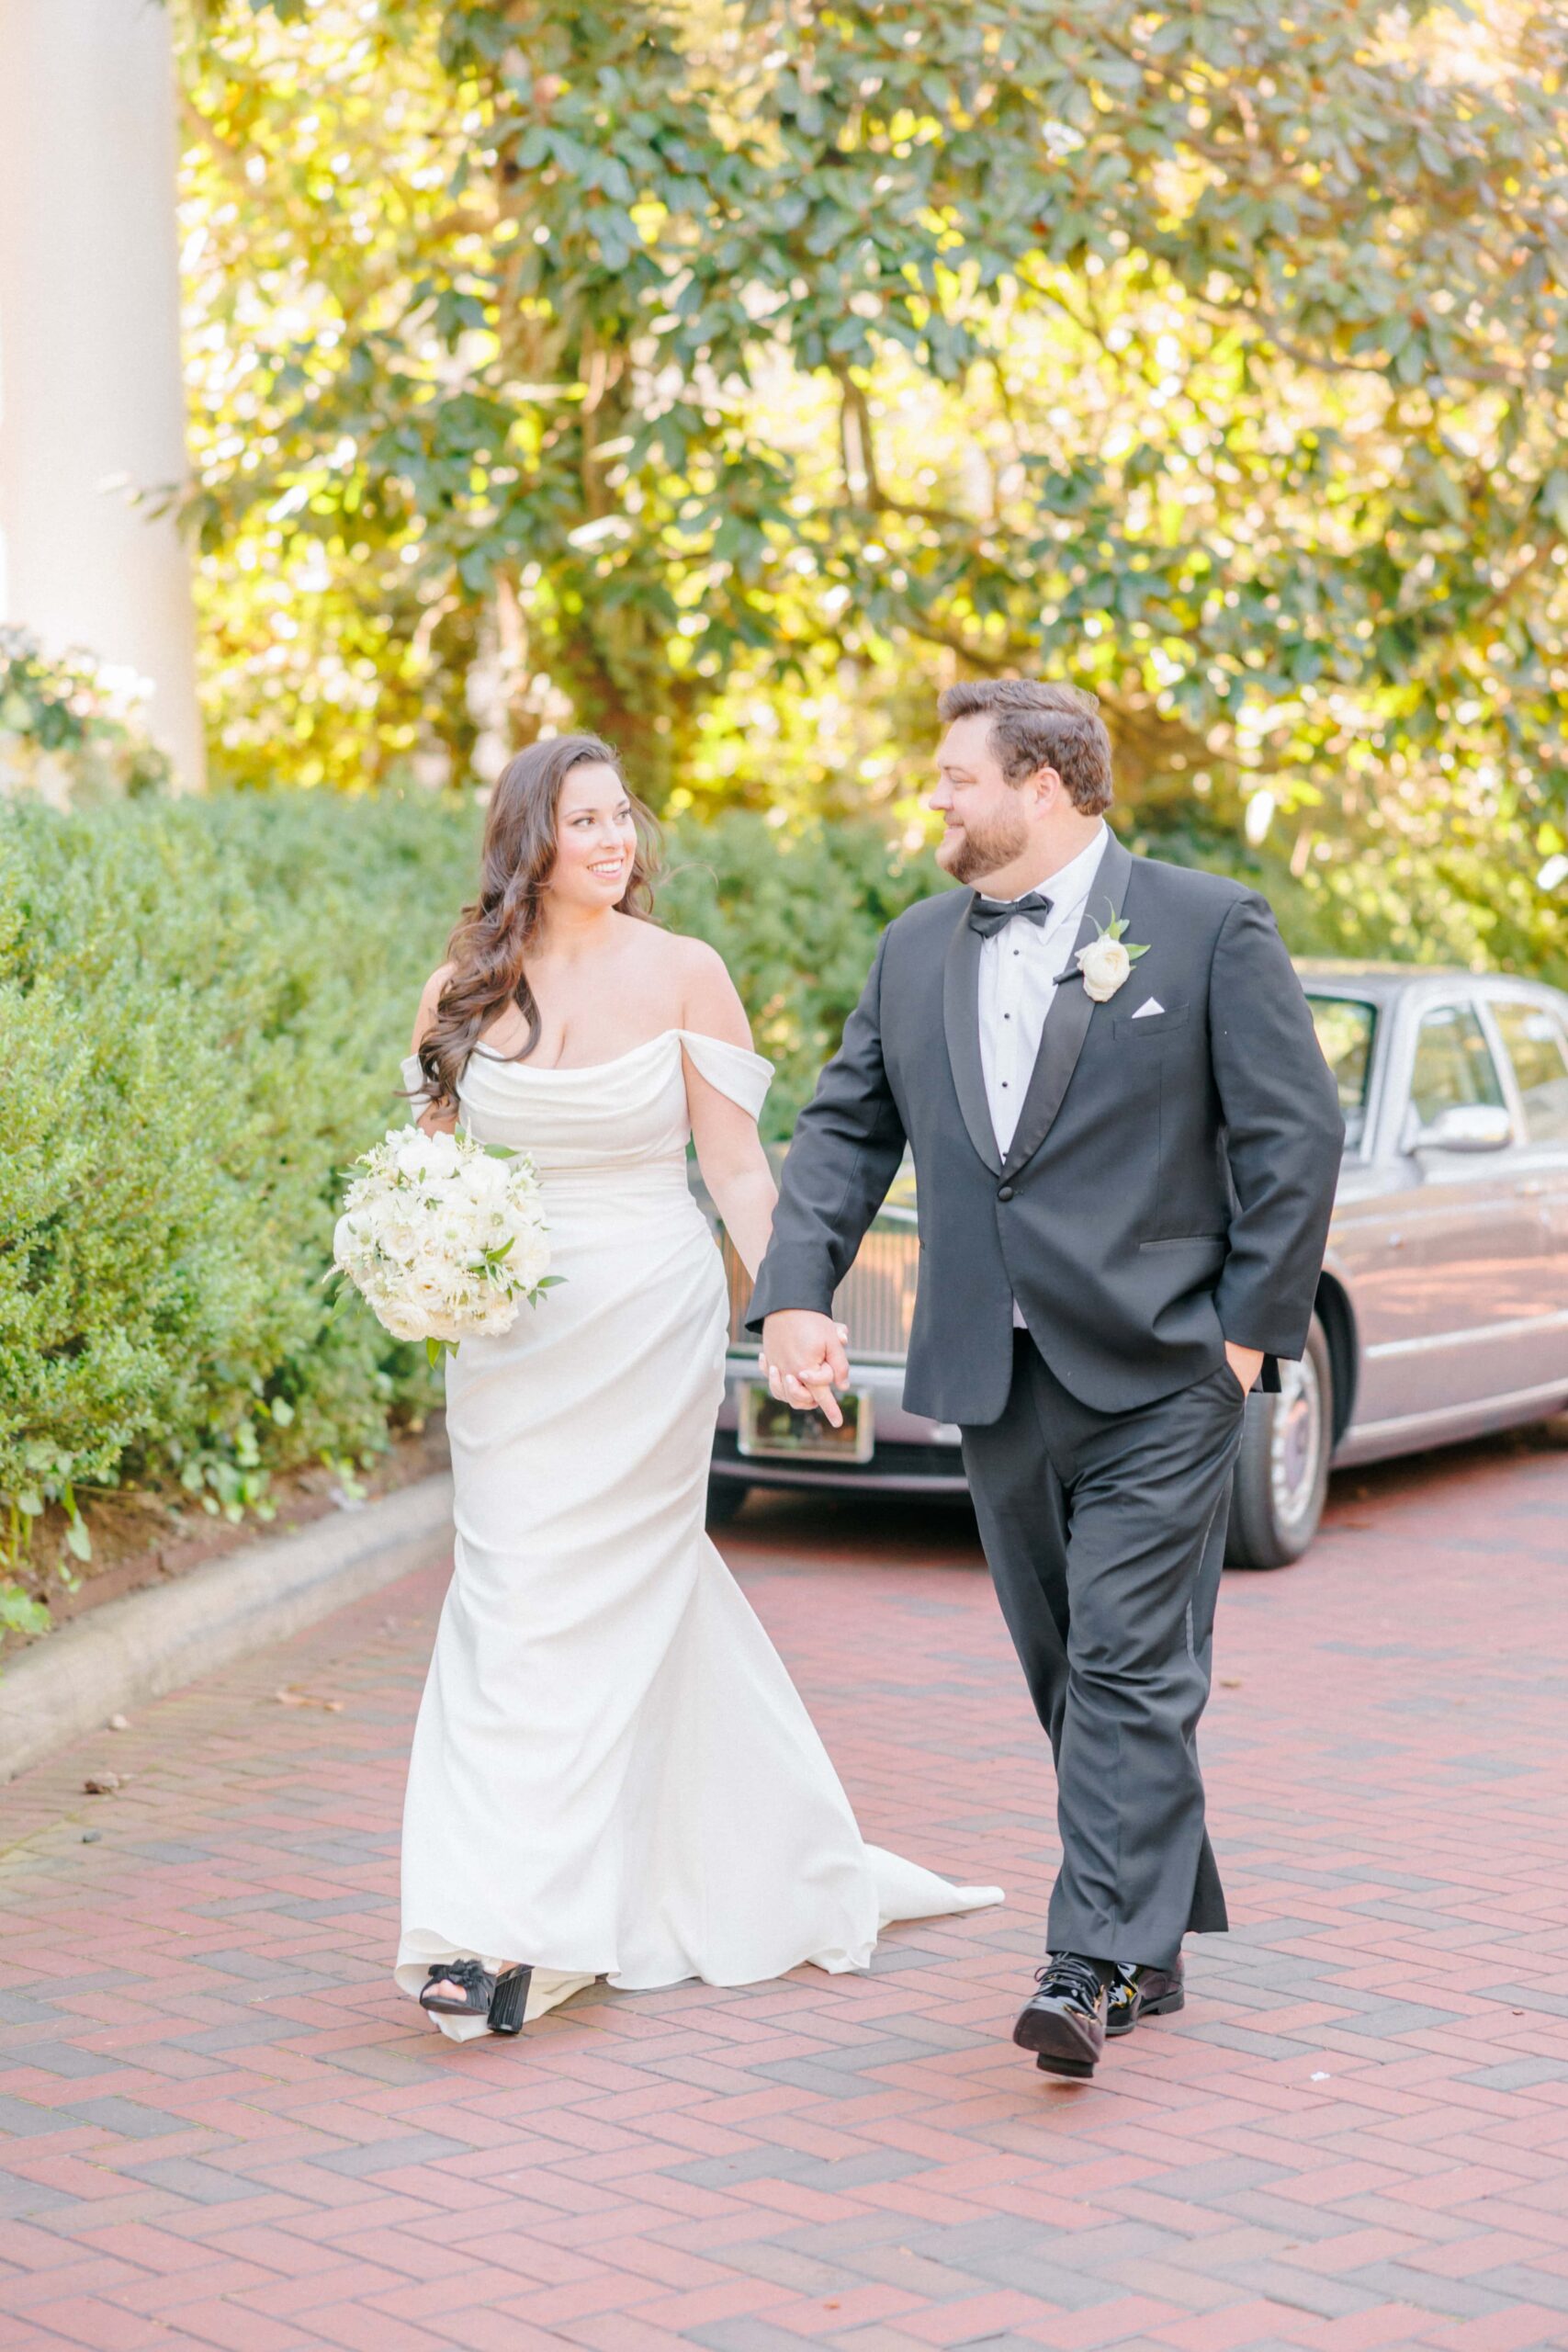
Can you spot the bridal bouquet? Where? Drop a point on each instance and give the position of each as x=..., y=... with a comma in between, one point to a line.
x=443, y=1238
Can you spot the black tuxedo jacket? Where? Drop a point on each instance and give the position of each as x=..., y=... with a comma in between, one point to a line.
x=1168, y=1188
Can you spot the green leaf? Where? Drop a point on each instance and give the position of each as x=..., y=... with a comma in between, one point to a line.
x=20, y=1613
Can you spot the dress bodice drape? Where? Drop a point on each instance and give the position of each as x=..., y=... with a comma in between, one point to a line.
x=601, y=1114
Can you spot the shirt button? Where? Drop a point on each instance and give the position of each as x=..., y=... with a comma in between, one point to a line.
x=1006, y=1192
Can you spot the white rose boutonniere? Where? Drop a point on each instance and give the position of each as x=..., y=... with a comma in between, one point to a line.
x=1106, y=963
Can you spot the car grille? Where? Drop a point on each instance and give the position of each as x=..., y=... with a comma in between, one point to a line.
x=876, y=1298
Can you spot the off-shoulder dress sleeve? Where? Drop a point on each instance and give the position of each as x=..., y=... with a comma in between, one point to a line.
x=414, y=1080
x=744, y=1077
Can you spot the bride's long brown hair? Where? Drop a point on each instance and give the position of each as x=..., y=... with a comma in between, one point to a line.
x=489, y=948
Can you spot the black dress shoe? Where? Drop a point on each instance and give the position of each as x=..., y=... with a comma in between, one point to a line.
x=461, y=1988
x=1065, y=2023
x=1135, y=1993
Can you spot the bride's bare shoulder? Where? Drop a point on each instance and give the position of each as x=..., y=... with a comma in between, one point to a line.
x=430, y=997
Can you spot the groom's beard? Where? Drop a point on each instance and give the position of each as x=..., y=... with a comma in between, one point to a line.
x=985, y=848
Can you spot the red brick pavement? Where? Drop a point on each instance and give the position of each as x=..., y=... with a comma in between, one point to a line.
x=229, y=2133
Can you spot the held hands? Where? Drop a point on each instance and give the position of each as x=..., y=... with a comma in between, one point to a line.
x=1246, y=1363
x=803, y=1359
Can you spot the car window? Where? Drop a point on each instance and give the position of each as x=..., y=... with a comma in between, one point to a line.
x=1345, y=1027
x=1538, y=1051
x=1453, y=1062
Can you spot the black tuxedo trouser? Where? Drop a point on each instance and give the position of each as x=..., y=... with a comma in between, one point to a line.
x=1105, y=1535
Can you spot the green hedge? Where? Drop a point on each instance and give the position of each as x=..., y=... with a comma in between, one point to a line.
x=202, y=1009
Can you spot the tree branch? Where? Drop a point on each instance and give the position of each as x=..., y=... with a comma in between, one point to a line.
x=992, y=665
x=1328, y=363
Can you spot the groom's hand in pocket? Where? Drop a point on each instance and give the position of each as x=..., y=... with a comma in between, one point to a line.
x=804, y=1360
x=1246, y=1363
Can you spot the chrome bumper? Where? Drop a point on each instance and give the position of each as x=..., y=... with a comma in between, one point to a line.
x=911, y=1456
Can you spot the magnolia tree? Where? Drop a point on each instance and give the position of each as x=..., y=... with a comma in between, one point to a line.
x=728, y=375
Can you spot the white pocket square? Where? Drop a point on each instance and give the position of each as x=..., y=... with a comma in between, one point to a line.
x=1150, y=1004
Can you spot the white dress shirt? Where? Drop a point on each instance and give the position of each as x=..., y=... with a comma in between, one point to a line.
x=1019, y=965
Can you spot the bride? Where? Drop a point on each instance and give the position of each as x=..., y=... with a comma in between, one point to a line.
x=612, y=1772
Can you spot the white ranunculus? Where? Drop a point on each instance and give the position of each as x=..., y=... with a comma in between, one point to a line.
x=1105, y=964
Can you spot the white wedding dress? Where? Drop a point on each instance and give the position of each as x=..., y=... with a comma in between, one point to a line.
x=613, y=1774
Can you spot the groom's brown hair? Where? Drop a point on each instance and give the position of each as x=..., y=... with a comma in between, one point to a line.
x=1037, y=725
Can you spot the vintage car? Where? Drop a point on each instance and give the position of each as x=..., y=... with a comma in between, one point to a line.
x=1442, y=1310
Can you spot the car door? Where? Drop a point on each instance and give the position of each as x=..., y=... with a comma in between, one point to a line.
x=1462, y=1256
x=1534, y=1039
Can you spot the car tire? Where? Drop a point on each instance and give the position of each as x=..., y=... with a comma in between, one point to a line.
x=1282, y=1472
x=725, y=1499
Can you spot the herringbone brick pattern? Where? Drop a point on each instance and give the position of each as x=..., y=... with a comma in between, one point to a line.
x=229, y=2132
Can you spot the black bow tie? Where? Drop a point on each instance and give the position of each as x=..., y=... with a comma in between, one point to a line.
x=989, y=915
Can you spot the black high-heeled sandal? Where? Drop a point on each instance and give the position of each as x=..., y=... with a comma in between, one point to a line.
x=476, y=1992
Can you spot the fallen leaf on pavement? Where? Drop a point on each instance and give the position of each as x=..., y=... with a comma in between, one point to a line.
x=289, y=1697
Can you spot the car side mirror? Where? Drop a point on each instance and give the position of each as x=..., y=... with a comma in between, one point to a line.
x=1465, y=1126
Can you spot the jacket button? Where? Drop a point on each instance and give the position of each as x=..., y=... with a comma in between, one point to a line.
x=1006, y=1192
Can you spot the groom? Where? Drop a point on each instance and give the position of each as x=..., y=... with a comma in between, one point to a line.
x=1126, y=1142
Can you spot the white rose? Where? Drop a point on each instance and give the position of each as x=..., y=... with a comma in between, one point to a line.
x=479, y=1175
x=1105, y=964
x=402, y=1322
x=529, y=1261
x=439, y=1157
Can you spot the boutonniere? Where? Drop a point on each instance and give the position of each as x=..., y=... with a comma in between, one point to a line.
x=1106, y=963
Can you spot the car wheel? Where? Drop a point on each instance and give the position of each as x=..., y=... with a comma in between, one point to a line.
x=725, y=1499
x=1282, y=1472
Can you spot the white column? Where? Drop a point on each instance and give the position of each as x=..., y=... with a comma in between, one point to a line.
x=91, y=399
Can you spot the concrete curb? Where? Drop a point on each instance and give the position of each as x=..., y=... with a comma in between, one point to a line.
x=134, y=1649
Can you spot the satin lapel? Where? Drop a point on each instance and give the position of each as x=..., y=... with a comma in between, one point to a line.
x=1067, y=1023
x=961, y=1018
